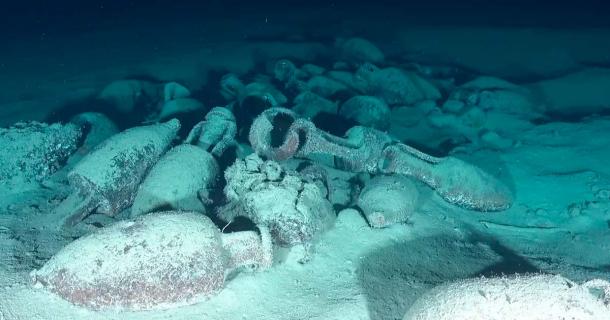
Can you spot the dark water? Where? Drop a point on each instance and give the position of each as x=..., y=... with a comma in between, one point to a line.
x=37, y=17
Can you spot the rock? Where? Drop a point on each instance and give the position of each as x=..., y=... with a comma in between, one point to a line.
x=106, y=180
x=174, y=90
x=341, y=65
x=98, y=127
x=496, y=95
x=176, y=180
x=324, y=86
x=469, y=124
x=359, y=50
x=272, y=170
x=349, y=79
x=577, y=94
x=537, y=296
x=440, y=120
x=312, y=69
x=350, y=218
x=395, y=86
x=287, y=73
x=341, y=190
x=265, y=91
x=284, y=70
x=125, y=95
x=156, y=261
x=314, y=173
x=216, y=133
x=251, y=99
x=510, y=102
x=412, y=116
x=293, y=209
x=175, y=107
x=494, y=140
x=489, y=83
x=387, y=200
x=30, y=152
x=368, y=111
x=603, y=194
x=474, y=118
x=453, y=106
x=309, y=104
x=231, y=88
x=487, y=118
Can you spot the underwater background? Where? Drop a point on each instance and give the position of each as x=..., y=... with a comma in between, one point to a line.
x=305, y=160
